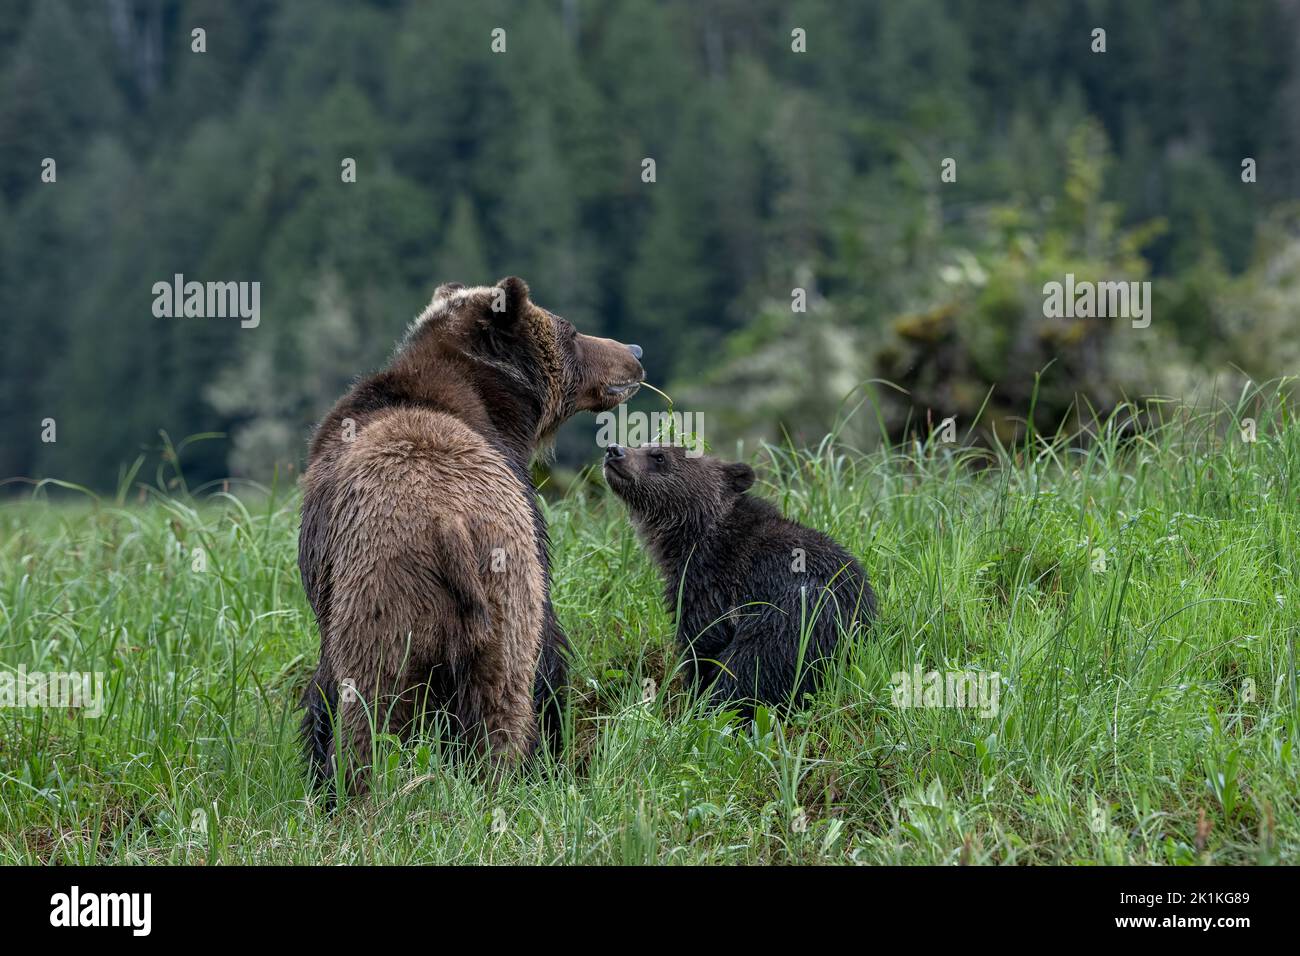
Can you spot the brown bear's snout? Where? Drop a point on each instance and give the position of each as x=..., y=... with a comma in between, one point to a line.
x=610, y=372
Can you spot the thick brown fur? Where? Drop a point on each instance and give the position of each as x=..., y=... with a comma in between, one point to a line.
x=422, y=550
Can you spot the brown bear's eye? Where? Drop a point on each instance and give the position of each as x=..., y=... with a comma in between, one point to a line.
x=659, y=457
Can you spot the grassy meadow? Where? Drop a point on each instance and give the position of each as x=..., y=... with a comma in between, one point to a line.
x=1136, y=593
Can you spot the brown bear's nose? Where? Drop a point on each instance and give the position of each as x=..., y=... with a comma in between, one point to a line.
x=636, y=351
x=614, y=451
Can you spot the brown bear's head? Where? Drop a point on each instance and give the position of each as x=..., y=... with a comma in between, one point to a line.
x=665, y=487
x=527, y=359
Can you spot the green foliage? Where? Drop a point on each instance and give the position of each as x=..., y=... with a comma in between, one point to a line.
x=775, y=168
x=1148, y=711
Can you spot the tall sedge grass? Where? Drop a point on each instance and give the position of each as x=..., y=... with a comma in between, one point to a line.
x=1134, y=584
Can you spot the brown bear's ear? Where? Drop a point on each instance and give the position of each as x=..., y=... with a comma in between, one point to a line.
x=739, y=476
x=509, y=298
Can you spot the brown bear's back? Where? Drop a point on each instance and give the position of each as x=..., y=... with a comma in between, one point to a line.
x=428, y=533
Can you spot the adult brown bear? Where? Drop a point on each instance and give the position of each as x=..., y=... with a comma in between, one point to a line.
x=422, y=549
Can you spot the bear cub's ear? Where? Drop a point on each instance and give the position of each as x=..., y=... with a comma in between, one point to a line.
x=509, y=298
x=739, y=476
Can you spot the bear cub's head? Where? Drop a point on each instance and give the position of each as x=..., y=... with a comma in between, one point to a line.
x=664, y=487
x=527, y=352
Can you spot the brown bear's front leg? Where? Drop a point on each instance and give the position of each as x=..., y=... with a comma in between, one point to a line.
x=551, y=678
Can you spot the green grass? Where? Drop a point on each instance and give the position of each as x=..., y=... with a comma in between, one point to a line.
x=1125, y=732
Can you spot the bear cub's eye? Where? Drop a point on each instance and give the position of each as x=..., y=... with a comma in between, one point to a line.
x=659, y=457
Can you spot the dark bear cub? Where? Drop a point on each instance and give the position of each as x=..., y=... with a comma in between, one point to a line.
x=763, y=600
